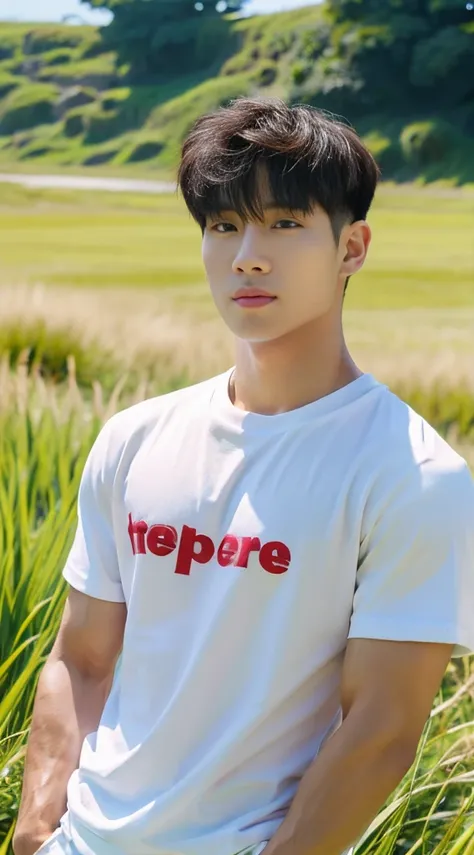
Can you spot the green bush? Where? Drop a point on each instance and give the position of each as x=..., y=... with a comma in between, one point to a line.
x=49, y=351
x=312, y=43
x=22, y=138
x=7, y=83
x=390, y=159
x=75, y=123
x=300, y=72
x=78, y=120
x=92, y=46
x=279, y=44
x=387, y=152
x=241, y=62
x=58, y=56
x=100, y=157
x=37, y=149
x=114, y=98
x=429, y=142
x=73, y=97
x=42, y=39
x=102, y=126
x=41, y=140
x=11, y=39
x=13, y=66
x=144, y=150
x=99, y=73
x=266, y=73
x=27, y=107
x=6, y=51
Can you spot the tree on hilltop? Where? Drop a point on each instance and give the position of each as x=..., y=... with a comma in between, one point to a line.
x=165, y=36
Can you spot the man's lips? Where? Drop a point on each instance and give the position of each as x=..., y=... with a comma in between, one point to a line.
x=254, y=302
x=252, y=298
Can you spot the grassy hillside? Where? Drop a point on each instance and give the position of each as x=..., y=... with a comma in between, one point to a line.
x=65, y=102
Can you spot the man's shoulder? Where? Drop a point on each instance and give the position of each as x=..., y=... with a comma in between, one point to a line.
x=413, y=439
x=410, y=457
x=131, y=425
x=147, y=410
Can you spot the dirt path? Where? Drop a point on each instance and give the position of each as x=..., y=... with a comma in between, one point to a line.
x=131, y=185
x=72, y=182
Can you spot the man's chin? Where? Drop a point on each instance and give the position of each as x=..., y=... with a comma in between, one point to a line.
x=257, y=336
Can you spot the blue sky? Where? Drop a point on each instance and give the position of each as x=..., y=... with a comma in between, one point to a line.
x=54, y=10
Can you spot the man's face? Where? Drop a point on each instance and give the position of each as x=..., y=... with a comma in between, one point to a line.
x=292, y=256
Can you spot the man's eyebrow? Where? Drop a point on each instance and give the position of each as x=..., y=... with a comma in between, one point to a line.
x=271, y=206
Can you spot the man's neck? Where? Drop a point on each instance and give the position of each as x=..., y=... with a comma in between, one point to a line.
x=270, y=379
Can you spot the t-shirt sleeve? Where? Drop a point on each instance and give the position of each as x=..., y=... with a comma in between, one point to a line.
x=415, y=577
x=92, y=565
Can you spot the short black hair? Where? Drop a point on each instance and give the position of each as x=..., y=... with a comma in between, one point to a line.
x=310, y=157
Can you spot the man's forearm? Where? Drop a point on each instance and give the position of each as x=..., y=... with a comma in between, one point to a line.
x=68, y=706
x=341, y=792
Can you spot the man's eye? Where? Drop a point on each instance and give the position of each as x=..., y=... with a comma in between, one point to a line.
x=216, y=227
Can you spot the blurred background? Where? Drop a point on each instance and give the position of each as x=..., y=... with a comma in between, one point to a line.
x=104, y=300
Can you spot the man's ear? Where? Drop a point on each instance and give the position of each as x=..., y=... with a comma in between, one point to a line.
x=356, y=243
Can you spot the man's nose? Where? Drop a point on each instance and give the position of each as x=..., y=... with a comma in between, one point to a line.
x=251, y=257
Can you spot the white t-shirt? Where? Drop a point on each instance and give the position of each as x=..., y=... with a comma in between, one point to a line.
x=248, y=549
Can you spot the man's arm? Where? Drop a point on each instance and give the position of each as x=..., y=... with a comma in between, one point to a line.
x=388, y=690
x=71, y=694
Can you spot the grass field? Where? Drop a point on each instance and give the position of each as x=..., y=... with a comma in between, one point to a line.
x=131, y=267
x=422, y=254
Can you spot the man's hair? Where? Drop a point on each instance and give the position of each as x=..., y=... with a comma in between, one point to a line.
x=310, y=158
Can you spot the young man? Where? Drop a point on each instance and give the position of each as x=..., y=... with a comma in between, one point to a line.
x=283, y=555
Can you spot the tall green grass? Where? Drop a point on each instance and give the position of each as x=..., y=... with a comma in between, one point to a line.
x=45, y=436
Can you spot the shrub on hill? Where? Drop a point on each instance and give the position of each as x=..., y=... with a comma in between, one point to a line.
x=99, y=73
x=100, y=157
x=58, y=56
x=114, y=98
x=27, y=107
x=178, y=114
x=144, y=150
x=75, y=123
x=36, y=149
x=13, y=66
x=78, y=121
x=43, y=39
x=92, y=46
x=266, y=73
x=426, y=143
x=11, y=40
x=22, y=138
x=102, y=126
x=72, y=97
x=389, y=156
x=7, y=83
